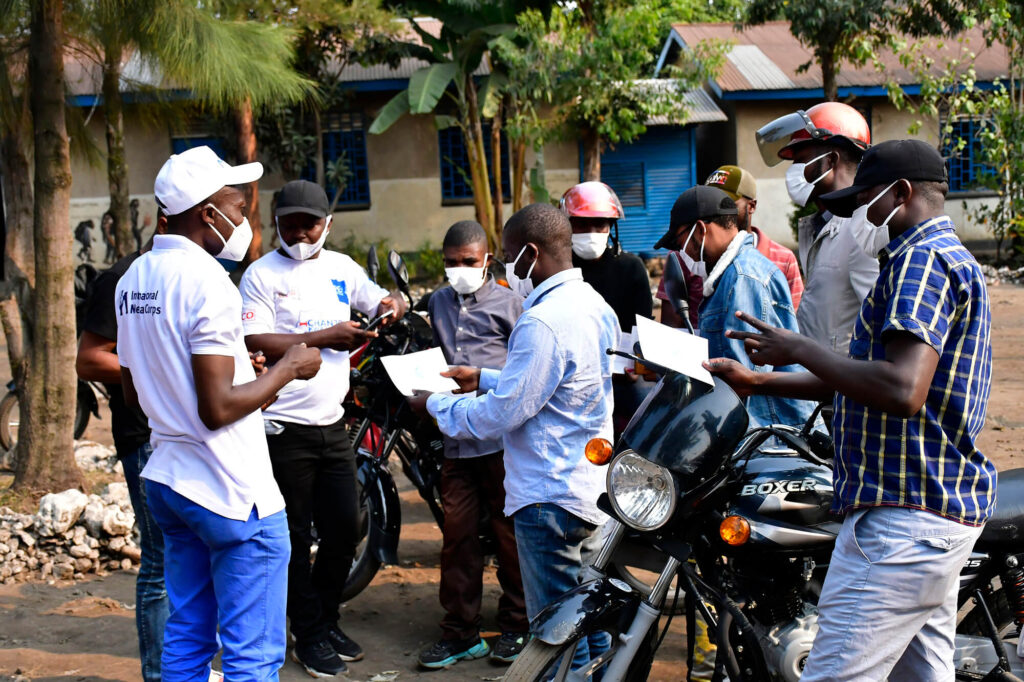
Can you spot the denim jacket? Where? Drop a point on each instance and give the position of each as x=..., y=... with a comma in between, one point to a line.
x=755, y=285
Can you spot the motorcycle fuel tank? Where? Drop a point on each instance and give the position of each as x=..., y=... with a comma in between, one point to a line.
x=786, y=501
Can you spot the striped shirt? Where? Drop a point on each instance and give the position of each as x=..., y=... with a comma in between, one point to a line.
x=932, y=287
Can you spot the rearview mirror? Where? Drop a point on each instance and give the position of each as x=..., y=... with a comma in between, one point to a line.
x=675, y=288
x=398, y=271
x=372, y=264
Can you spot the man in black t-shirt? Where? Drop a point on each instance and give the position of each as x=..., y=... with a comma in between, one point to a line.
x=97, y=361
x=620, y=277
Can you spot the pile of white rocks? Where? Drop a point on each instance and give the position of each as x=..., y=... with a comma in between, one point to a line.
x=1001, y=275
x=72, y=534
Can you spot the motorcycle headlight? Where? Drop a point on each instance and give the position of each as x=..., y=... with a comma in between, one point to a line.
x=643, y=493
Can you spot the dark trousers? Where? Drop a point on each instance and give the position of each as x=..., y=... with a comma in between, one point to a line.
x=315, y=468
x=469, y=488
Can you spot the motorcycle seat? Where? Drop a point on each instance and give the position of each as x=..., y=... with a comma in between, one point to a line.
x=1006, y=525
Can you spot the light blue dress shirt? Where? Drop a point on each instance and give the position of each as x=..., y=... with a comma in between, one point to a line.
x=553, y=395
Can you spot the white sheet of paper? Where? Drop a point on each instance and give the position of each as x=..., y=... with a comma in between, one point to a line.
x=620, y=364
x=419, y=372
x=675, y=349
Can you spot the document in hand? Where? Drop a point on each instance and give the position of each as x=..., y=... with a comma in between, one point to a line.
x=675, y=349
x=419, y=372
x=621, y=365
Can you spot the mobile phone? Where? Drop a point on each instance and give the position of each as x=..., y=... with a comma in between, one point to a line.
x=375, y=322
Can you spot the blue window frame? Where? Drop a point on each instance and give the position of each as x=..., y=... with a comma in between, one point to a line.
x=185, y=142
x=456, y=186
x=346, y=135
x=966, y=171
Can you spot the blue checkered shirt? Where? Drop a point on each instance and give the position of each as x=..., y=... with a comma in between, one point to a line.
x=932, y=287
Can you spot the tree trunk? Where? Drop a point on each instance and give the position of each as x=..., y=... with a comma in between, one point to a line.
x=48, y=405
x=247, y=153
x=473, y=135
x=829, y=72
x=117, y=163
x=19, y=265
x=497, y=196
x=591, y=154
x=318, y=130
x=518, y=173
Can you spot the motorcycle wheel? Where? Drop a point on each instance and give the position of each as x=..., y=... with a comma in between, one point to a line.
x=82, y=410
x=540, y=661
x=1002, y=616
x=9, y=421
x=364, y=565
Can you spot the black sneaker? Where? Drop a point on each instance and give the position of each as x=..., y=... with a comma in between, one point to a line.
x=346, y=647
x=447, y=652
x=319, y=658
x=509, y=646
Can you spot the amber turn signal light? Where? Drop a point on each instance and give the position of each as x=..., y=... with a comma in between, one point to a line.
x=735, y=530
x=599, y=451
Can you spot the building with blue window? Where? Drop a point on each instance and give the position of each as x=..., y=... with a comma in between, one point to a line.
x=762, y=79
x=407, y=185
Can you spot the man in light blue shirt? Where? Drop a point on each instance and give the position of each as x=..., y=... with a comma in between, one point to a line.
x=553, y=395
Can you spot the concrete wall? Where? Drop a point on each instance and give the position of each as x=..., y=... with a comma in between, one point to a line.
x=405, y=188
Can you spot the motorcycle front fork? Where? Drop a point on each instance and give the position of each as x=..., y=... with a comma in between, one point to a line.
x=648, y=611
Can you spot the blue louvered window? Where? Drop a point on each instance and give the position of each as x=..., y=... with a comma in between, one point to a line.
x=345, y=136
x=456, y=183
x=967, y=172
x=627, y=179
x=185, y=142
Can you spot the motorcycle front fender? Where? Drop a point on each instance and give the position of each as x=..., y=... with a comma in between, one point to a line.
x=602, y=604
x=385, y=510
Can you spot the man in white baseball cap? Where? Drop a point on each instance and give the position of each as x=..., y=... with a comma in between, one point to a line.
x=209, y=482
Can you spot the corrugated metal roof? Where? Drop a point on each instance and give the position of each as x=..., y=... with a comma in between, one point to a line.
x=700, y=106
x=758, y=68
x=781, y=53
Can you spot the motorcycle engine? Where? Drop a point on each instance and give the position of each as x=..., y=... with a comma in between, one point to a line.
x=787, y=644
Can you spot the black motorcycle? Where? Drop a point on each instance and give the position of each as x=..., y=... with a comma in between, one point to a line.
x=745, y=534
x=381, y=424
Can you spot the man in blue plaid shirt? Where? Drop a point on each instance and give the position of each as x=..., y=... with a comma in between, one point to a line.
x=910, y=403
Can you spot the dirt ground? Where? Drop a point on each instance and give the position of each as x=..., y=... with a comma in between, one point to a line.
x=86, y=631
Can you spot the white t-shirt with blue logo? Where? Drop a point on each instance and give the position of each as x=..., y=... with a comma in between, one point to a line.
x=285, y=296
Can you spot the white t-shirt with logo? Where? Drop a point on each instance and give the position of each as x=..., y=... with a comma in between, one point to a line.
x=175, y=302
x=285, y=296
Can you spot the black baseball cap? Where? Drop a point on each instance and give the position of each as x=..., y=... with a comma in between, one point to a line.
x=884, y=164
x=302, y=196
x=697, y=203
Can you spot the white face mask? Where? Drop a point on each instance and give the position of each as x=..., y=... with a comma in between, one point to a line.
x=522, y=286
x=303, y=250
x=699, y=267
x=797, y=185
x=871, y=238
x=590, y=245
x=466, y=280
x=237, y=245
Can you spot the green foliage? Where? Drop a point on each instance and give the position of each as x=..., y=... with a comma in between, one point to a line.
x=950, y=91
x=428, y=262
x=589, y=62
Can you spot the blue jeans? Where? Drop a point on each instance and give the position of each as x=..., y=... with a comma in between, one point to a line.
x=553, y=546
x=150, y=596
x=224, y=572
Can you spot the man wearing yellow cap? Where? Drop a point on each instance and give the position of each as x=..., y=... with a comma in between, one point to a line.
x=741, y=186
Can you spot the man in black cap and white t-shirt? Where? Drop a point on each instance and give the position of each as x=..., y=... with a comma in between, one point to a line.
x=303, y=292
x=209, y=482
